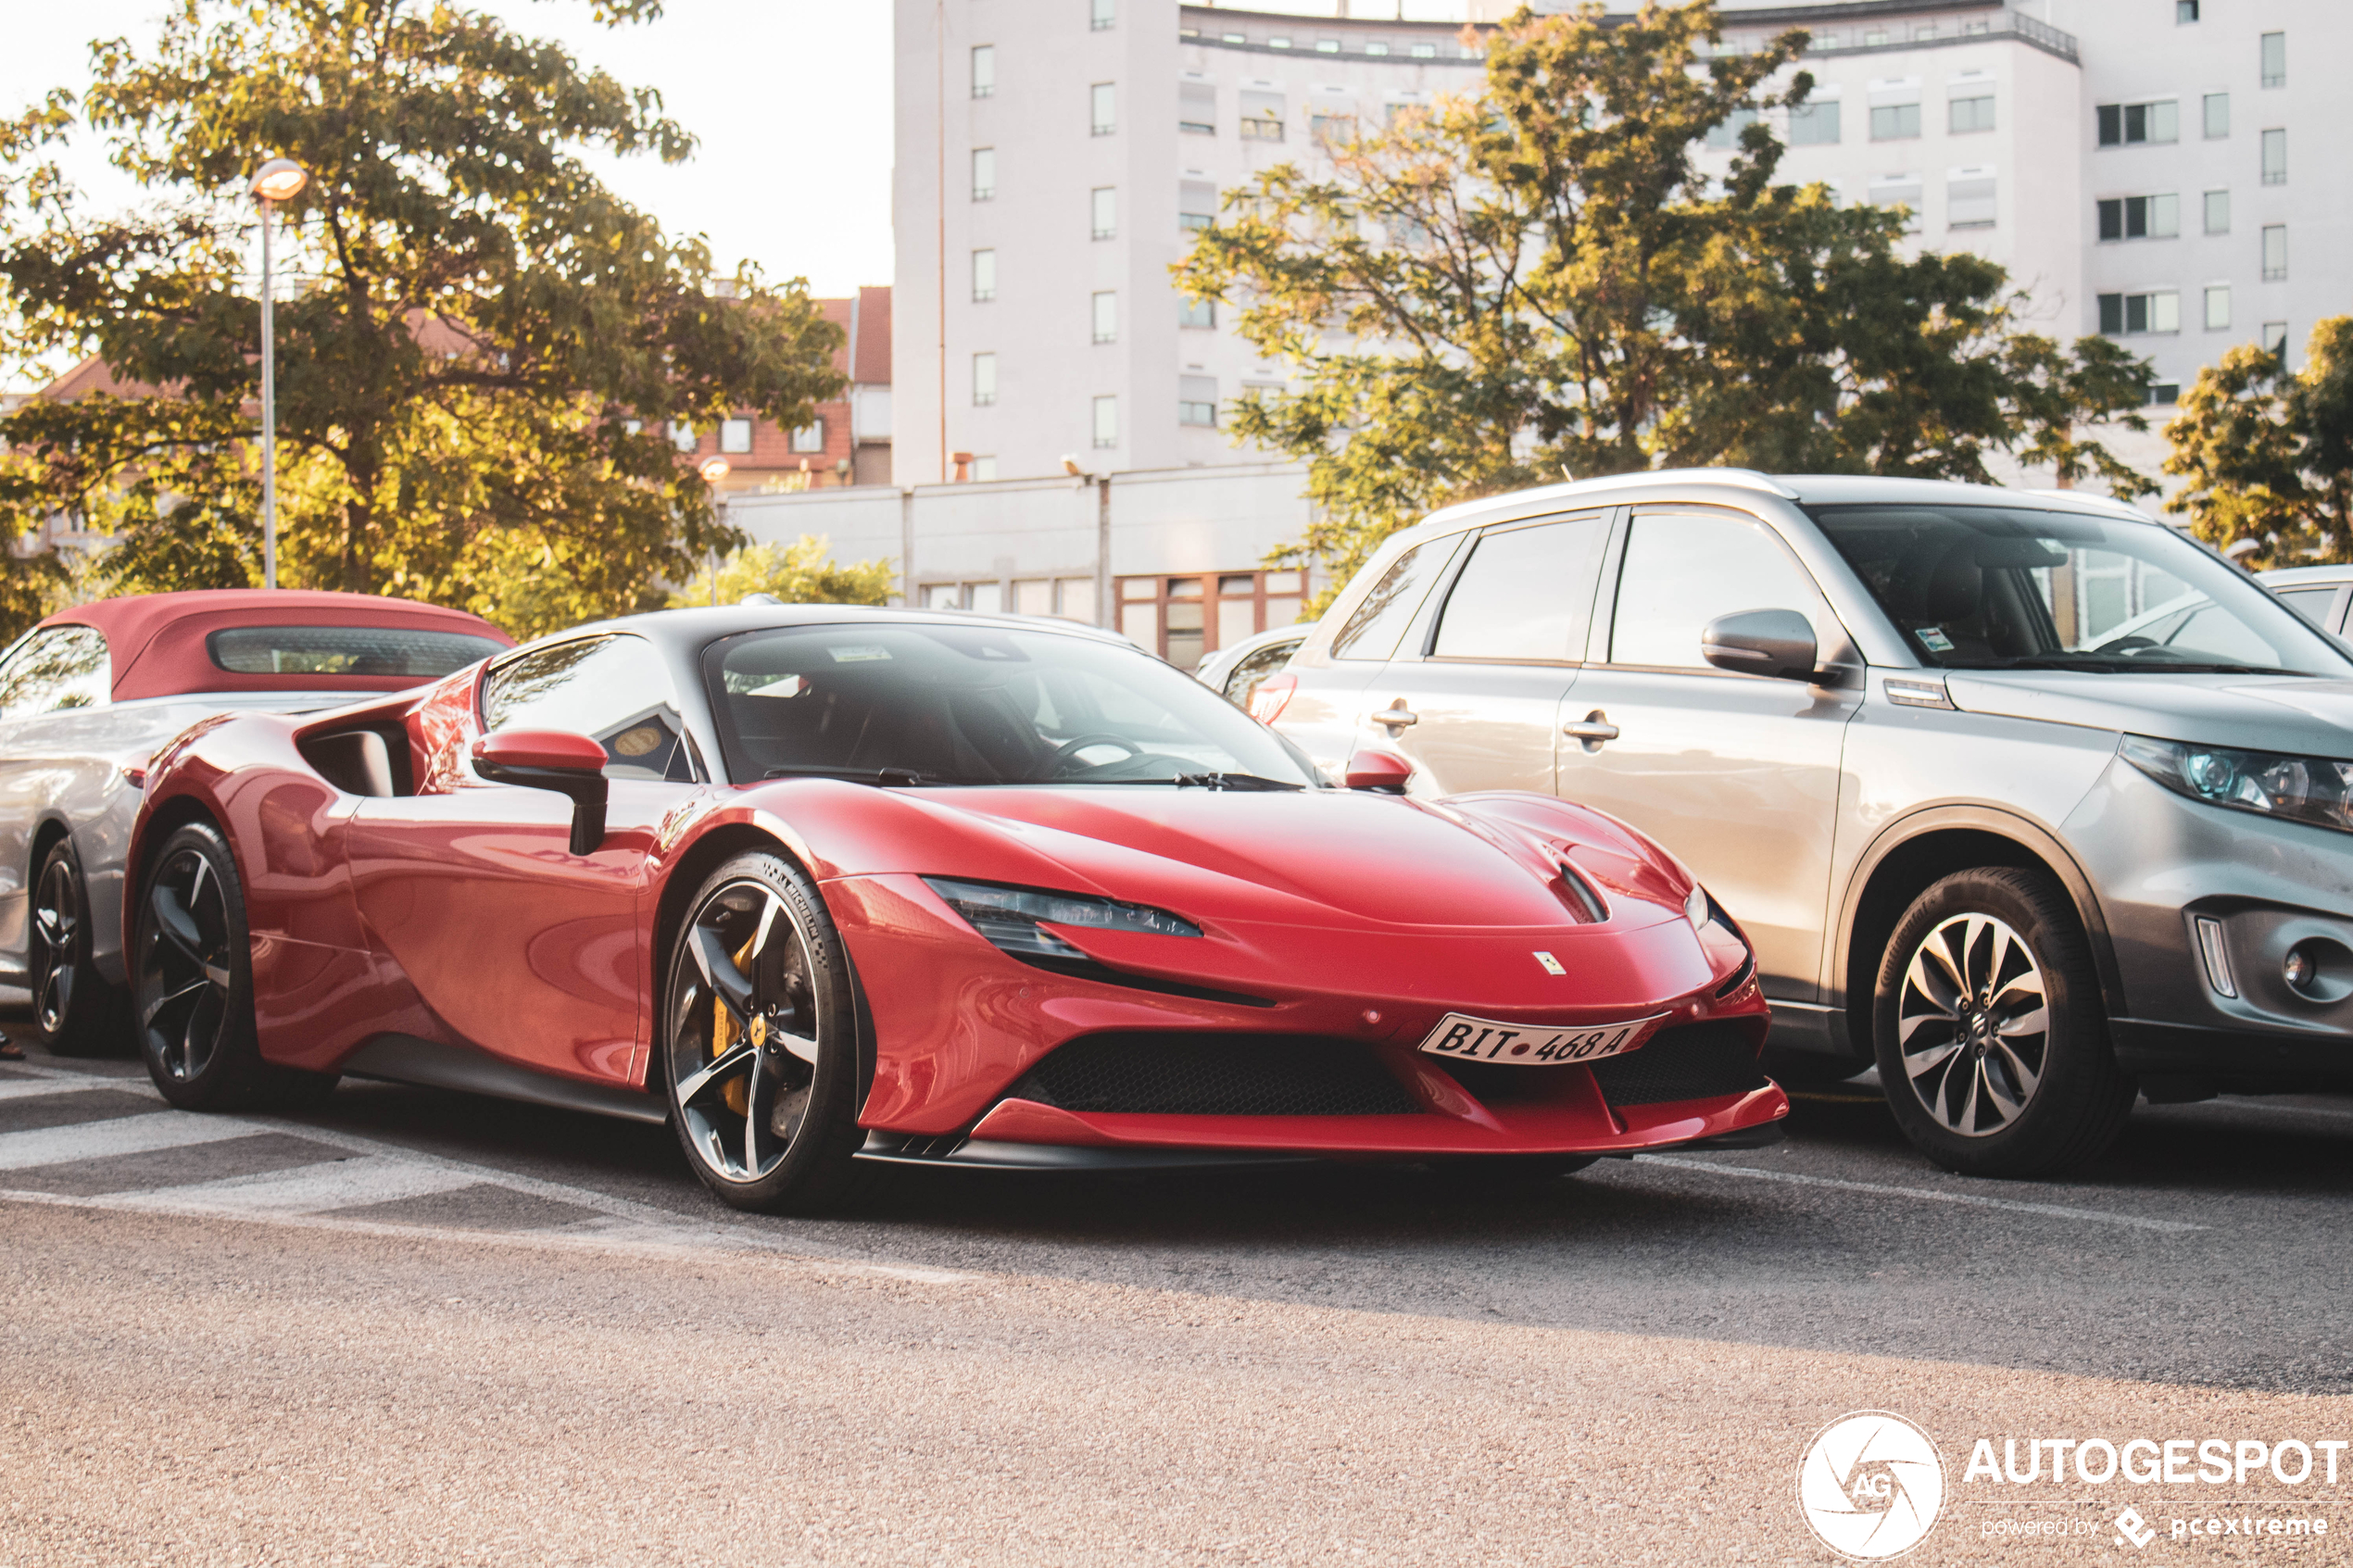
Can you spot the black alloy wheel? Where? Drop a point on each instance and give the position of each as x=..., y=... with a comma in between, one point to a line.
x=192, y=984
x=1992, y=1041
x=77, y=1009
x=759, y=1041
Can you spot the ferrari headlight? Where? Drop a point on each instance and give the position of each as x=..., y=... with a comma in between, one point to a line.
x=2304, y=789
x=1013, y=919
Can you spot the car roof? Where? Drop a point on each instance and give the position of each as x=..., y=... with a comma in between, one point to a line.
x=156, y=642
x=682, y=631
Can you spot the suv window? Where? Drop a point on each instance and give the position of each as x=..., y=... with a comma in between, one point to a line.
x=612, y=689
x=1682, y=570
x=61, y=667
x=1373, y=627
x=1525, y=592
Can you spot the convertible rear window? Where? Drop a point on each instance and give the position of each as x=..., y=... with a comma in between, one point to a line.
x=345, y=650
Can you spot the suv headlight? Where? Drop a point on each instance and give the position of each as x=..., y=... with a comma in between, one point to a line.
x=2304, y=789
x=1010, y=917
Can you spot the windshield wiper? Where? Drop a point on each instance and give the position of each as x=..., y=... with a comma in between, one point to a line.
x=882, y=778
x=1231, y=781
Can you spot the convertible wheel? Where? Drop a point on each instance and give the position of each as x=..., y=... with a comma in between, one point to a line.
x=192, y=983
x=80, y=1012
x=1992, y=1043
x=759, y=1041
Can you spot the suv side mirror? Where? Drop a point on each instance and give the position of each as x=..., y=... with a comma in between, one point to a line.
x=556, y=759
x=1778, y=643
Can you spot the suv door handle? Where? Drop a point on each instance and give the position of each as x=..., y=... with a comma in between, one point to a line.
x=1591, y=730
x=1397, y=715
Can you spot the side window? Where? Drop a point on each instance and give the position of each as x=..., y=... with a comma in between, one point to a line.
x=1375, y=625
x=2312, y=604
x=1525, y=592
x=611, y=689
x=62, y=668
x=1682, y=570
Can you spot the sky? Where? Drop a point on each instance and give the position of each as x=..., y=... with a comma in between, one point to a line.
x=790, y=99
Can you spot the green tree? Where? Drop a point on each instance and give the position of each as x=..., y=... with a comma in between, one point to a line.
x=802, y=572
x=2268, y=456
x=1542, y=280
x=482, y=347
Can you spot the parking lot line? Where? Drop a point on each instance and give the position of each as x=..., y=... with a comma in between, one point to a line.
x=115, y=1137
x=2011, y=1205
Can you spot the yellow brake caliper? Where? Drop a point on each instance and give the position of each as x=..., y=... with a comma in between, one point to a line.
x=737, y=1093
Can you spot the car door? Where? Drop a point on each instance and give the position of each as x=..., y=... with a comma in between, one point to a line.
x=1737, y=775
x=1475, y=701
x=56, y=670
x=520, y=946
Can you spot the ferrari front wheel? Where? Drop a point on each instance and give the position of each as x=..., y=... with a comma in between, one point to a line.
x=760, y=1040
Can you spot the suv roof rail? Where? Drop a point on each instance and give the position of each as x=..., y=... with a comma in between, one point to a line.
x=2092, y=498
x=1743, y=479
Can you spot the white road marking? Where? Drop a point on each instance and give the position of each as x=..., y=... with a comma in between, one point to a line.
x=305, y=1189
x=1972, y=1200
x=29, y=1088
x=115, y=1138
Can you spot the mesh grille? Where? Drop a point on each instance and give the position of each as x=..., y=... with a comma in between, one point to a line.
x=1696, y=1061
x=1217, y=1075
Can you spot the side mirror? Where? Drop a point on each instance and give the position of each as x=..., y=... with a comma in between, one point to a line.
x=569, y=764
x=1778, y=643
x=1375, y=769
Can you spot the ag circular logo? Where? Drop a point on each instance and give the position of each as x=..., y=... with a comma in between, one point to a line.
x=1870, y=1485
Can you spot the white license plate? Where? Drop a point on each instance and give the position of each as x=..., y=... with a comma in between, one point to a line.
x=1465, y=1038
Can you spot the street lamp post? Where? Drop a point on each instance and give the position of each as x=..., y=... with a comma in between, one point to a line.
x=713, y=469
x=280, y=180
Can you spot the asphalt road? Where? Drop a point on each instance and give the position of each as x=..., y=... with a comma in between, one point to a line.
x=420, y=1327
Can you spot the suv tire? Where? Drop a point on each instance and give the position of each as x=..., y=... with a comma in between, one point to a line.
x=1991, y=1039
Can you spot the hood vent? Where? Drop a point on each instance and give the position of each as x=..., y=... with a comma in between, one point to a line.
x=1584, y=900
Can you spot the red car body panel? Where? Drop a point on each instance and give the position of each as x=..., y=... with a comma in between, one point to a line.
x=457, y=915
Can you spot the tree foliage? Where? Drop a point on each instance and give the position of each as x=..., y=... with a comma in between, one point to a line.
x=476, y=357
x=2268, y=457
x=1542, y=279
x=802, y=572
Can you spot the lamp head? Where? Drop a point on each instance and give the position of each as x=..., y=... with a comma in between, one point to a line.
x=712, y=469
x=280, y=180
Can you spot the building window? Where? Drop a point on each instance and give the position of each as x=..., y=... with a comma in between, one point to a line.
x=2141, y=218
x=2217, y=212
x=1107, y=316
x=1895, y=122
x=2274, y=340
x=985, y=72
x=1197, y=108
x=1185, y=618
x=1327, y=46
x=1196, y=205
x=2275, y=158
x=1899, y=190
x=1377, y=47
x=735, y=436
x=1969, y=199
x=2275, y=59
x=1424, y=51
x=808, y=438
x=1106, y=421
x=1814, y=124
x=1196, y=312
x=1262, y=116
x=2184, y=11
x=1970, y=115
x=2127, y=314
x=1726, y=132
x=984, y=174
x=984, y=380
x=1105, y=212
x=2164, y=393
x=984, y=276
x=1278, y=42
x=1233, y=38
x=1196, y=401
x=2125, y=125
x=2218, y=116
x=2274, y=251
x=2217, y=308
x=1328, y=129
x=683, y=436
x=1874, y=37
x=1104, y=113
x=1101, y=15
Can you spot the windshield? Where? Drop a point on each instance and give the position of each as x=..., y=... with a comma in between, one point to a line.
x=981, y=704
x=2010, y=588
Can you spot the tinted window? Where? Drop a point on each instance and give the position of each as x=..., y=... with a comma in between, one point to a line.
x=61, y=667
x=1525, y=592
x=345, y=650
x=1682, y=570
x=974, y=705
x=2312, y=604
x=1255, y=667
x=1373, y=627
x=611, y=689
x=1997, y=587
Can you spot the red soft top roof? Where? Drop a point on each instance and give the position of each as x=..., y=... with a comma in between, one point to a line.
x=156, y=641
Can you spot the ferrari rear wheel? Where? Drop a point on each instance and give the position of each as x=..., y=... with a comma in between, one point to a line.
x=80, y=1012
x=759, y=1041
x=192, y=984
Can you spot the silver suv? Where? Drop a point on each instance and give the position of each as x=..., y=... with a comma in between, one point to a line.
x=2028, y=799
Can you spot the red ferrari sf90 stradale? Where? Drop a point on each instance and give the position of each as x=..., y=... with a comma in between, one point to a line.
x=819, y=884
